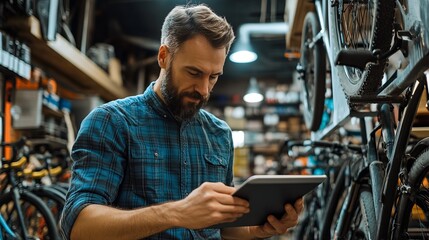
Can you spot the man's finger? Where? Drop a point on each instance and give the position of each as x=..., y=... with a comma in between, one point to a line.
x=278, y=226
x=299, y=205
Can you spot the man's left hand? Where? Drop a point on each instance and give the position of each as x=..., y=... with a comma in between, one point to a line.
x=275, y=226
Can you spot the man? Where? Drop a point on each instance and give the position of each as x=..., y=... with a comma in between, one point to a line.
x=155, y=165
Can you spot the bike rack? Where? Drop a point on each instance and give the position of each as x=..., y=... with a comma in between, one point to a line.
x=416, y=36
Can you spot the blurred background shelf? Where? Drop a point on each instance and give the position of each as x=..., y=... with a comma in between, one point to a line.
x=70, y=66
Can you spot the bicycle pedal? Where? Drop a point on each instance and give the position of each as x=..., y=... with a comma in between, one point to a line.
x=405, y=35
x=355, y=58
x=376, y=99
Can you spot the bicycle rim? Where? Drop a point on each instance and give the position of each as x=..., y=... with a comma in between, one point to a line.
x=39, y=221
x=362, y=25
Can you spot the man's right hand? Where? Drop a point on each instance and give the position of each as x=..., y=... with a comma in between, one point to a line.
x=209, y=204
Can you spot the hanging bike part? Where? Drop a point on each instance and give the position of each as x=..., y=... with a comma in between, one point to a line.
x=361, y=32
x=312, y=70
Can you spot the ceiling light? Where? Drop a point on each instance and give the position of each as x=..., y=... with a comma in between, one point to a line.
x=253, y=94
x=242, y=52
x=243, y=56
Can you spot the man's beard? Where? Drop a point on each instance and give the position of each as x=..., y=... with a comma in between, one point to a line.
x=175, y=100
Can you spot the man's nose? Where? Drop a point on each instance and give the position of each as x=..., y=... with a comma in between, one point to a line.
x=202, y=87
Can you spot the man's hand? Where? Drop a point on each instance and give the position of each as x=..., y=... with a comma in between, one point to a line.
x=275, y=226
x=210, y=204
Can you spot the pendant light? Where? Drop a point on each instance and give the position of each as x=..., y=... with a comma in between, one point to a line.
x=253, y=94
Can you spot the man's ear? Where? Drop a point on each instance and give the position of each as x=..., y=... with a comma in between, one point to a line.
x=162, y=56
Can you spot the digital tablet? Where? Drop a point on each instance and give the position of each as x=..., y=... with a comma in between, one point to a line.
x=267, y=194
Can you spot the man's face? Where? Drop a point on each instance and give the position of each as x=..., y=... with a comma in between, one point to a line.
x=191, y=76
x=176, y=100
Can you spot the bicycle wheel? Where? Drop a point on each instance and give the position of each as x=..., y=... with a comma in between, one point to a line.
x=362, y=224
x=313, y=62
x=39, y=221
x=361, y=25
x=413, y=212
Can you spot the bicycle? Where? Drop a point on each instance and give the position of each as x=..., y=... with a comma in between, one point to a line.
x=53, y=196
x=390, y=183
x=26, y=214
x=333, y=160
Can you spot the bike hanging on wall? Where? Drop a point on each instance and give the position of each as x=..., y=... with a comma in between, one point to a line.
x=377, y=58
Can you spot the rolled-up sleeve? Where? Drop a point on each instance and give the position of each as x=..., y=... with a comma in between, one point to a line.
x=99, y=158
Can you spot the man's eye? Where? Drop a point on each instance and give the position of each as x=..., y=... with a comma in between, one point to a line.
x=194, y=73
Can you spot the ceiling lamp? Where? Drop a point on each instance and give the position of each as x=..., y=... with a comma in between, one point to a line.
x=242, y=51
x=253, y=94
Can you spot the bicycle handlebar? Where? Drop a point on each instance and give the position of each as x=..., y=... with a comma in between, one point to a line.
x=17, y=144
x=336, y=146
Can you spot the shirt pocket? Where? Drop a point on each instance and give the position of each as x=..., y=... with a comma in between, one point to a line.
x=216, y=168
x=147, y=175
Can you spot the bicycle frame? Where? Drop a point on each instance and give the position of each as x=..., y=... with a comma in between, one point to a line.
x=339, y=99
x=383, y=179
x=322, y=14
x=396, y=156
x=6, y=228
x=11, y=180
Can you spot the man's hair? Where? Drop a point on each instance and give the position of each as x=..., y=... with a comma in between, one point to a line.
x=184, y=22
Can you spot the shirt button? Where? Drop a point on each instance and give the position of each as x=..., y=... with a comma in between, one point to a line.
x=156, y=154
x=165, y=115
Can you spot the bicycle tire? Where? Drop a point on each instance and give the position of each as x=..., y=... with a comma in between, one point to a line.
x=62, y=187
x=54, y=199
x=30, y=203
x=414, y=201
x=376, y=33
x=313, y=61
x=335, y=200
x=362, y=225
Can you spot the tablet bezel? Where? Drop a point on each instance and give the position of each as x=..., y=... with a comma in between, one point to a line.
x=282, y=179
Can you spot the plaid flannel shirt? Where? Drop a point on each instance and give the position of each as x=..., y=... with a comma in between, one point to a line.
x=131, y=153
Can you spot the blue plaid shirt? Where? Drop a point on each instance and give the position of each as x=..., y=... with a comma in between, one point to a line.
x=132, y=152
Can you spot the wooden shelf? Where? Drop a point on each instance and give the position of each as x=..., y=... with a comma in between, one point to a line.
x=72, y=67
x=420, y=132
x=295, y=14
